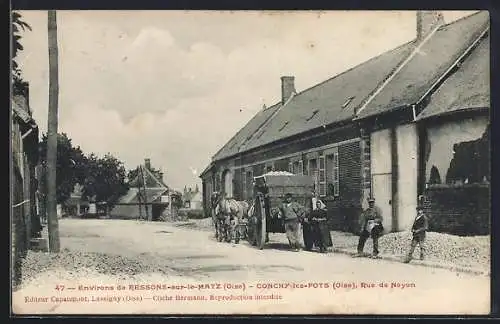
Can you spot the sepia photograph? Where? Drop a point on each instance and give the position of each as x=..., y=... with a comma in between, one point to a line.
x=195, y=162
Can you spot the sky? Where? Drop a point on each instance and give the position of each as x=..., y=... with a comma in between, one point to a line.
x=175, y=86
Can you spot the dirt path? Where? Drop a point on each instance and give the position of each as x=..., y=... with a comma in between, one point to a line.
x=159, y=253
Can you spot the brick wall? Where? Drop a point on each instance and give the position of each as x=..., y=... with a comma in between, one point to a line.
x=458, y=211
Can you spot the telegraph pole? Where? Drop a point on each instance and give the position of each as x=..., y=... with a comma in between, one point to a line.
x=53, y=223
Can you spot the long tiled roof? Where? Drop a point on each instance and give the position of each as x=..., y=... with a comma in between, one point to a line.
x=338, y=98
x=432, y=60
x=245, y=134
x=468, y=87
x=331, y=101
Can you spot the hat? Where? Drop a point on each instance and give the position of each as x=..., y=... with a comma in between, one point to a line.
x=288, y=194
x=371, y=199
x=419, y=207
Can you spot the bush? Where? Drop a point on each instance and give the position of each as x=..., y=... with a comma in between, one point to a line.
x=192, y=213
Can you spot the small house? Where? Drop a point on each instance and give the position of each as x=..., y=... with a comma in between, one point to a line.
x=147, y=197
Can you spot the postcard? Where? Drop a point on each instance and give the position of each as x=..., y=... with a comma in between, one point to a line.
x=250, y=162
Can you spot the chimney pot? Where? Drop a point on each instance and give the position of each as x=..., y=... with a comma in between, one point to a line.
x=428, y=20
x=287, y=87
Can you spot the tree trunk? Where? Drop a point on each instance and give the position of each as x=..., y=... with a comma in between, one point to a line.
x=53, y=223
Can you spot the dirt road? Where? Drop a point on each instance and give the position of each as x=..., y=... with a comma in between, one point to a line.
x=175, y=262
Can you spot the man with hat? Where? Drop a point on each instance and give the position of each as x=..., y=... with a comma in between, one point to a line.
x=420, y=226
x=371, y=225
x=293, y=213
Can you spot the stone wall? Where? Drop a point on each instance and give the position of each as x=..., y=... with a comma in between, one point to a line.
x=463, y=210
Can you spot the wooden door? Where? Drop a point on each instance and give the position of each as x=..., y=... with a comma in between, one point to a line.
x=382, y=192
x=381, y=170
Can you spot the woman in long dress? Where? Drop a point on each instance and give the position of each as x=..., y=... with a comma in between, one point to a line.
x=321, y=232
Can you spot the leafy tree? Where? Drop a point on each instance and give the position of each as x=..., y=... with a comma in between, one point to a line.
x=104, y=179
x=18, y=25
x=71, y=165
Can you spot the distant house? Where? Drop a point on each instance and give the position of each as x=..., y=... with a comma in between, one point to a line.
x=75, y=205
x=192, y=199
x=23, y=178
x=147, y=198
x=380, y=129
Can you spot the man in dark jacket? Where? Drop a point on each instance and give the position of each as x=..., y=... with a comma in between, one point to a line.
x=307, y=226
x=293, y=213
x=371, y=225
x=420, y=226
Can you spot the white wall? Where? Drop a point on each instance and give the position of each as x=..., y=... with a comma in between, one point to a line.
x=443, y=136
x=380, y=150
x=407, y=146
x=228, y=183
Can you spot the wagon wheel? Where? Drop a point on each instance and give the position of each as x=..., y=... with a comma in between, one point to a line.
x=261, y=228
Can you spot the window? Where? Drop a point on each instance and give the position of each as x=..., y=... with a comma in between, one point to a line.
x=290, y=167
x=335, y=174
x=298, y=167
x=244, y=184
x=313, y=114
x=312, y=170
x=282, y=127
x=347, y=102
x=249, y=184
x=322, y=177
x=332, y=173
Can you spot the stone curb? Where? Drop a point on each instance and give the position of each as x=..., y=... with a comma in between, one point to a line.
x=428, y=264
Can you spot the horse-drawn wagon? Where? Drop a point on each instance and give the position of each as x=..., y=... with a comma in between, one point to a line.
x=269, y=192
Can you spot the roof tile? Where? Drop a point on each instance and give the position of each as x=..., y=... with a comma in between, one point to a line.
x=447, y=44
x=467, y=88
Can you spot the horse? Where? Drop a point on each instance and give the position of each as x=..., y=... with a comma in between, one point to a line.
x=227, y=216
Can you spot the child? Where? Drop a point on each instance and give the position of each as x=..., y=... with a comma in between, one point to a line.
x=418, y=230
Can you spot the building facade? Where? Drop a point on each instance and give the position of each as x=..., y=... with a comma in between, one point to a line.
x=25, y=221
x=362, y=132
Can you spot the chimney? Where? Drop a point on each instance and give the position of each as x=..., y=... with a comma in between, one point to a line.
x=287, y=87
x=428, y=21
x=147, y=163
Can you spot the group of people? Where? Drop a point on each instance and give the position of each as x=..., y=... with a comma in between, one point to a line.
x=314, y=224
x=317, y=234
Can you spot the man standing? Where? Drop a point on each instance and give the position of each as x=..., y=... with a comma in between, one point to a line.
x=420, y=226
x=371, y=225
x=307, y=226
x=292, y=213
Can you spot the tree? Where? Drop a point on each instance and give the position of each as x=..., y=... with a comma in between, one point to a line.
x=71, y=165
x=104, y=179
x=18, y=25
x=53, y=224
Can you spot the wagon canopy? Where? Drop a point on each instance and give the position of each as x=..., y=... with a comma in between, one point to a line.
x=278, y=184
